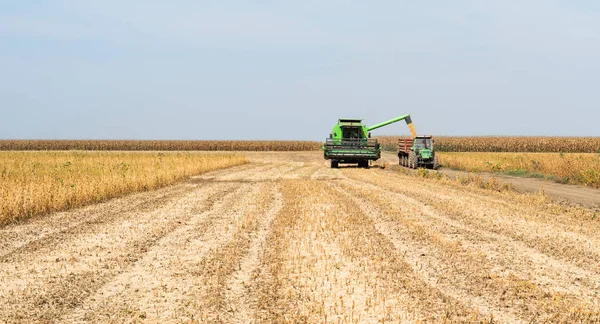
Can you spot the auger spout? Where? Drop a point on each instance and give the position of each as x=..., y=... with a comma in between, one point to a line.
x=407, y=118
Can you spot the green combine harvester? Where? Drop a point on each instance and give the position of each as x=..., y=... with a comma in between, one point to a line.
x=350, y=142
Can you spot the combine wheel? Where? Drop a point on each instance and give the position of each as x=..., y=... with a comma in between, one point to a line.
x=334, y=164
x=363, y=164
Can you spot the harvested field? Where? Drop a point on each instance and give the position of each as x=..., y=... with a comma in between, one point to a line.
x=285, y=238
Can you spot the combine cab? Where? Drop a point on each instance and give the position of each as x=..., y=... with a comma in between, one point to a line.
x=417, y=153
x=350, y=142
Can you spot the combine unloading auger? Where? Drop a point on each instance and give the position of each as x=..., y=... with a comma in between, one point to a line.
x=406, y=118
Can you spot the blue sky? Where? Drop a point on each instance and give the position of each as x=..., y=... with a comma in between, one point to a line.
x=288, y=70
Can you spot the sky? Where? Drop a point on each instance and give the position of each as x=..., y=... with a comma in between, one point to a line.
x=268, y=70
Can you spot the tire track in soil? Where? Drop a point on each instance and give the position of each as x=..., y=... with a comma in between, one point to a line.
x=520, y=222
x=241, y=299
x=67, y=273
x=39, y=232
x=161, y=285
x=303, y=171
x=225, y=229
x=557, y=216
x=558, y=219
x=48, y=243
x=425, y=261
x=245, y=174
x=273, y=173
x=429, y=227
x=508, y=255
x=324, y=262
x=56, y=279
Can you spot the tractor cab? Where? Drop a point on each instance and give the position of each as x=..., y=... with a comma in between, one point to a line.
x=423, y=147
x=423, y=142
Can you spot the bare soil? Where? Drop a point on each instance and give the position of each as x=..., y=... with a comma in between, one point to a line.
x=287, y=239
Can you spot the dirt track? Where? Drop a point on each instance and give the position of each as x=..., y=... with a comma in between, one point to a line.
x=285, y=238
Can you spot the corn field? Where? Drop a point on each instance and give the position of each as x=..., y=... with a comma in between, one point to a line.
x=156, y=145
x=389, y=143
x=507, y=144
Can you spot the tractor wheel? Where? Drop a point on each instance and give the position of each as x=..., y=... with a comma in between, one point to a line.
x=436, y=164
x=334, y=164
x=412, y=160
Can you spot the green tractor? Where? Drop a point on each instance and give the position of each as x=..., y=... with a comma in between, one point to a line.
x=418, y=152
x=350, y=142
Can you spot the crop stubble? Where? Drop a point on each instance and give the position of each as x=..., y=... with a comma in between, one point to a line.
x=284, y=238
